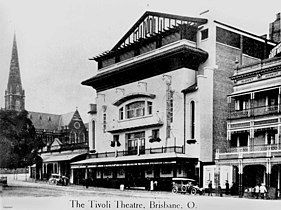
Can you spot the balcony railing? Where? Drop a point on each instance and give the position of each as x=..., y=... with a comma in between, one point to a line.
x=174, y=149
x=256, y=111
x=254, y=148
x=254, y=151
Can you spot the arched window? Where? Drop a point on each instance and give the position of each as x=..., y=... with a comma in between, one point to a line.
x=17, y=105
x=135, y=109
x=192, y=121
x=72, y=137
x=81, y=137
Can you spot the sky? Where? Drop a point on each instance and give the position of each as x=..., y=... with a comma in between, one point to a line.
x=56, y=38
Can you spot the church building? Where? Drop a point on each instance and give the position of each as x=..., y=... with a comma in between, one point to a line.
x=65, y=136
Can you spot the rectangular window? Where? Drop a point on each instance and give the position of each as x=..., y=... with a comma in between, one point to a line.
x=107, y=172
x=149, y=171
x=228, y=37
x=133, y=140
x=204, y=34
x=155, y=133
x=149, y=107
x=166, y=170
x=172, y=109
x=104, y=122
x=121, y=113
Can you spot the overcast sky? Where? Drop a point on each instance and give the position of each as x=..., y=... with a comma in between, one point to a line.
x=56, y=38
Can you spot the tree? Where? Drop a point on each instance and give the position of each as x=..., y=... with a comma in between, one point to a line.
x=18, y=142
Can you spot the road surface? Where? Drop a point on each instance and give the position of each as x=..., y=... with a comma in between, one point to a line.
x=24, y=195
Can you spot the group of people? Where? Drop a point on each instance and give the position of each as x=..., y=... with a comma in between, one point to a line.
x=258, y=191
x=233, y=190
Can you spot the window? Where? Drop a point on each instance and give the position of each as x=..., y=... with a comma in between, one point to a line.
x=121, y=113
x=72, y=137
x=93, y=134
x=149, y=171
x=135, y=109
x=82, y=137
x=155, y=133
x=166, y=170
x=104, y=122
x=133, y=139
x=228, y=37
x=121, y=172
x=149, y=107
x=171, y=108
x=192, y=112
x=107, y=172
x=204, y=34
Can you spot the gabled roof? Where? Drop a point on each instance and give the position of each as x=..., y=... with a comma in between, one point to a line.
x=152, y=25
x=156, y=16
x=44, y=121
x=65, y=119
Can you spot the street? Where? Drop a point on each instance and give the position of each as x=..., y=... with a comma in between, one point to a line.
x=22, y=194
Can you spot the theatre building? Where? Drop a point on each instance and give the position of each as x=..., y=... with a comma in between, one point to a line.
x=161, y=99
x=254, y=122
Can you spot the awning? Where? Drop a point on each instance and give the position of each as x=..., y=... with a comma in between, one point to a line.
x=59, y=157
x=162, y=158
x=124, y=164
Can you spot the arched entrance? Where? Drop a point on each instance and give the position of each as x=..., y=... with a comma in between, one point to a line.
x=253, y=175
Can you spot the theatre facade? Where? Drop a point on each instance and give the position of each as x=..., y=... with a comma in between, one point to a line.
x=160, y=110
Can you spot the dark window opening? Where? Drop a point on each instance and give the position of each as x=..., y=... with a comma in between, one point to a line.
x=192, y=110
x=204, y=34
x=228, y=37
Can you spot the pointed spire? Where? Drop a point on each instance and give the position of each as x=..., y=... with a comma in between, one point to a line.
x=14, y=95
x=14, y=81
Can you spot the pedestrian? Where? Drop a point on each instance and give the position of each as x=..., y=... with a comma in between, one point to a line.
x=263, y=191
x=257, y=191
x=210, y=187
x=226, y=187
x=220, y=191
x=87, y=183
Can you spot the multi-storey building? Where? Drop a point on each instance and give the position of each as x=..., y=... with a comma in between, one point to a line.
x=161, y=99
x=254, y=123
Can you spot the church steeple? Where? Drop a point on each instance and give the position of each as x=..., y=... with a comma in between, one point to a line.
x=14, y=94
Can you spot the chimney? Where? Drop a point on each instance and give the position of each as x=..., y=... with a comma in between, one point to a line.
x=275, y=29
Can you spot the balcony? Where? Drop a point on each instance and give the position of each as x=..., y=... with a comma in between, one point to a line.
x=254, y=151
x=265, y=110
x=159, y=150
x=253, y=112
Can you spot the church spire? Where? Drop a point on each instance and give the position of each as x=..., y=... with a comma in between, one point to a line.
x=14, y=95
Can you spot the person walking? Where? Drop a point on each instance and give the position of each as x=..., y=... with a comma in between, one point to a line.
x=210, y=187
x=263, y=191
x=226, y=187
x=257, y=191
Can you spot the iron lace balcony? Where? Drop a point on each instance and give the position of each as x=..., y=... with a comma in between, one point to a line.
x=255, y=111
x=253, y=151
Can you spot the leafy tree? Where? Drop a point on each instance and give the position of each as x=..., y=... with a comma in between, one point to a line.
x=18, y=142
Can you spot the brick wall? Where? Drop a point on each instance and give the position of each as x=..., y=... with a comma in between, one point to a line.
x=225, y=60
